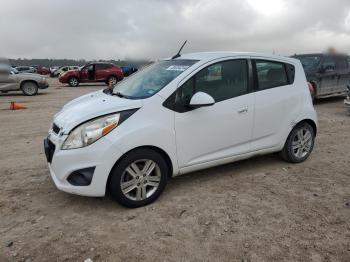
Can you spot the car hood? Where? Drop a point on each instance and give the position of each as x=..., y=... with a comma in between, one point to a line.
x=91, y=106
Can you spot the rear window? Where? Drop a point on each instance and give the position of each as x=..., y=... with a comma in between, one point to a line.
x=272, y=74
x=341, y=63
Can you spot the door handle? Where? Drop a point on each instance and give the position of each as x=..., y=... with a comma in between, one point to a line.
x=243, y=110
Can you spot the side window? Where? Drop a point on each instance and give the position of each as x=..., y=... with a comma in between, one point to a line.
x=341, y=63
x=328, y=64
x=103, y=66
x=270, y=74
x=222, y=81
x=99, y=67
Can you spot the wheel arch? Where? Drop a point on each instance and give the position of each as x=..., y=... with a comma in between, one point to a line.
x=28, y=81
x=154, y=148
x=311, y=123
x=73, y=76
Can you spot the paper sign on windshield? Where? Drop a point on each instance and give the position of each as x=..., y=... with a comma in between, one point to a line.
x=177, y=68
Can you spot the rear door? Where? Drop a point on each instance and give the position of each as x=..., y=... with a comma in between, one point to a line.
x=272, y=106
x=343, y=71
x=7, y=80
x=329, y=76
x=102, y=71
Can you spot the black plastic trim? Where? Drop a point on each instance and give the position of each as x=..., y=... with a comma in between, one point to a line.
x=49, y=149
x=81, y=177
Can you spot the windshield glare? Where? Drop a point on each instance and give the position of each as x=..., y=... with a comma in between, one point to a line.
x=151, y=79
x=309, y=62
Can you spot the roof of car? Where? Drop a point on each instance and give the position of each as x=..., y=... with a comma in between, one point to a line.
x=217, y=55
x=320, y=54
x=109, y=63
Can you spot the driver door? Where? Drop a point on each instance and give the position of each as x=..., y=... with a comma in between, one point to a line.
x=87, y=73
x=219, y=131
x=329, y=78
x=7, y=80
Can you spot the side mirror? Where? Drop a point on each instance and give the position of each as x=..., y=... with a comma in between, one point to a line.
x=201, y=99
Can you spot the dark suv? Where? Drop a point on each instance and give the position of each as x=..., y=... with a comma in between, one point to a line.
x=328, y=73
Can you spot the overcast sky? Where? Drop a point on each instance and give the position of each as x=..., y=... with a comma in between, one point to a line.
x=112, y=29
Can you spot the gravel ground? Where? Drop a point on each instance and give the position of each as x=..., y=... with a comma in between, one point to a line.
x=262, y=209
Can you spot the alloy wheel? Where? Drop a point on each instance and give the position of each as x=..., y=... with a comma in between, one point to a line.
x=73, y=81
x=302, y=143
x=113, y=80
x=140, y=180
x=29, y=88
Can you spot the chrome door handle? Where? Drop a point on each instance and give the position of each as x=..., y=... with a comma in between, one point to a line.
x=243, y=110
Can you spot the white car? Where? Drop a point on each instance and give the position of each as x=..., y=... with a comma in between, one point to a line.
x=177, y=116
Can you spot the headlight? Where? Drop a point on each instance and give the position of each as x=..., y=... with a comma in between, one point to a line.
x=89, y=132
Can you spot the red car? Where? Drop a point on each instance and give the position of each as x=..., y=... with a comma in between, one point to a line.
x=93, y=72
x=42, y=70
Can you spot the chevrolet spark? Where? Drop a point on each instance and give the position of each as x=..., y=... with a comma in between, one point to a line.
x=180, y=115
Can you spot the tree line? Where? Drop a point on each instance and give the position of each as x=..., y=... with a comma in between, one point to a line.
x=72, y=62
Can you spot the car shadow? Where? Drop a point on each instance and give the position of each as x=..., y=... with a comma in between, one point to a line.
x=321, y=101
x=11, y=94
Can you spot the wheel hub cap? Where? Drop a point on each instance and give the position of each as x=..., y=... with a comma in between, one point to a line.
x=140, y=179
x=302, y=143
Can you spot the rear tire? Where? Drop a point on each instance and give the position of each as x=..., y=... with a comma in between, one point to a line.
x=299, y=144
x=73, y=81
x=112, y=79
x=139, y=178
x=29, y=88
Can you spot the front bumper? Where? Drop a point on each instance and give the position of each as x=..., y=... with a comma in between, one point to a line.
x=43, y=85
x=63, y=80
x=62, y=163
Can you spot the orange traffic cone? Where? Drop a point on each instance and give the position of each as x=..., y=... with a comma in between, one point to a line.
x=17, y=106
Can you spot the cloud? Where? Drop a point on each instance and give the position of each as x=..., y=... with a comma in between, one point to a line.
x=112, y=29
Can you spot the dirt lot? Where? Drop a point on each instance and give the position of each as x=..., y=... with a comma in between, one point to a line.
x=261, y=209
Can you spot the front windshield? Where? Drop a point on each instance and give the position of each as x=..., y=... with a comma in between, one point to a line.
x=151, y=79
x=309, y=62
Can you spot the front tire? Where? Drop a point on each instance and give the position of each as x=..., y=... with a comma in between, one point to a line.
x=29, y=88
x=73, y=82
x=299, y=144
x=139, y=178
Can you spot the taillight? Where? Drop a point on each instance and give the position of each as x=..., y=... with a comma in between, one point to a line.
x=311, y=87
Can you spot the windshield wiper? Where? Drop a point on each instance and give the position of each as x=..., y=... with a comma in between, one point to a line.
x=118, y=94
x=108, y=90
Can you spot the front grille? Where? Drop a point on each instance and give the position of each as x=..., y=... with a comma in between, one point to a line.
x=49, y=149
x=55, y=128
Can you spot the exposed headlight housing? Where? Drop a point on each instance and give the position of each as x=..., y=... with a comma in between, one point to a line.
x=89, y=132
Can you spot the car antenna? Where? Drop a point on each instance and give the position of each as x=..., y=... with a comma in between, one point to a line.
x=178, y=53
